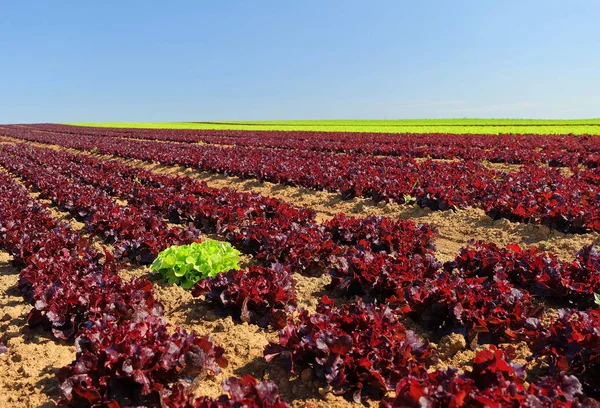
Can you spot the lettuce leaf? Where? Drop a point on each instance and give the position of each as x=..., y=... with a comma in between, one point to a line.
x=185, y=265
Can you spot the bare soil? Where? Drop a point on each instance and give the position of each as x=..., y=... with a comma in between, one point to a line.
x=28, y=367
x=34, y=356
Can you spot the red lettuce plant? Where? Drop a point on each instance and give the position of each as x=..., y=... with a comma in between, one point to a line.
x=489, y=311
x=245, y=392
x=402, y=237
x=123, y=363
x=303, y=248
x=540, y=273
x=493, y=382
x=378, y=276
x=359, y=349
x=573, y=343
x=263, y=296
x=582, y=276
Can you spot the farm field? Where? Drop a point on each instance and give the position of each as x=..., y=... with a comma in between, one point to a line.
x=445, y=126
x=399, y=263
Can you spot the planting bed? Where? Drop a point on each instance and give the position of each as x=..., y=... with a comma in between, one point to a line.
x=368, y=276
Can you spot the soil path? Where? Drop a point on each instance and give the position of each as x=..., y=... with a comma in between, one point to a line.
x=33, y=355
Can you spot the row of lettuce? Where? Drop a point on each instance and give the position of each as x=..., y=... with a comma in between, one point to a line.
x=492, y=295
x=553, y=150
x=533, y=194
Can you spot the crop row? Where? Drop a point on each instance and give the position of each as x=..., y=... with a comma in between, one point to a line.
x=126, y=355
x=548, y=149
x=533, y=194
x=485, y=300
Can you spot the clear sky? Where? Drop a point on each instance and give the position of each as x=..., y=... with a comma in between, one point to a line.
x=216, y=60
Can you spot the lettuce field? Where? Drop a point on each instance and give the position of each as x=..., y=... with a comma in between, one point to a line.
x=300, y=264
x=445, y=126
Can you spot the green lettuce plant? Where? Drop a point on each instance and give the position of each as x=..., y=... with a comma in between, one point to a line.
x=186, y=264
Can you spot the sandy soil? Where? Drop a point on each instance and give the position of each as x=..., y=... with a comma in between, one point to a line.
x=33, y=356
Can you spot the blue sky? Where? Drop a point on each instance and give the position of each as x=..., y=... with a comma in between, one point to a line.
x=241, y=60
